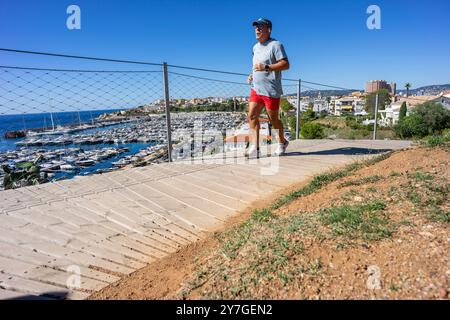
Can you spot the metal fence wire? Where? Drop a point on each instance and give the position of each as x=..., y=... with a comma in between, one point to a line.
x=152, y=87
x=39, y=90
x=34, y=90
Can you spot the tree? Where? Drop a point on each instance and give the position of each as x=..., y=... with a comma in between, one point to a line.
x=292, y=124
x=403, y=111
x=328, y=99
x=285, y=106
x=411, y=126
x=384, y=99
x=435, y=116
x=407, y=86
x=308, y=115
x=426, y=119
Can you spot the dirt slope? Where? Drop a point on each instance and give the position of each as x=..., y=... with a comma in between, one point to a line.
x=380, y=231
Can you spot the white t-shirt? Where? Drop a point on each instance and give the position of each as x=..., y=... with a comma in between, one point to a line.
x=268, y=83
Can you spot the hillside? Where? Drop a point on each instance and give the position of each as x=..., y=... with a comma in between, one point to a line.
x=378, y=229
x=325, y=93
x=430, y=90
x=425, y=90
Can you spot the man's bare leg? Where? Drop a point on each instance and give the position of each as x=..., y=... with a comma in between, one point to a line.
x=253, y=120
x=277, y=124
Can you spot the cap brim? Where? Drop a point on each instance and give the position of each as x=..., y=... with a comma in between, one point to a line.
x=256, y=23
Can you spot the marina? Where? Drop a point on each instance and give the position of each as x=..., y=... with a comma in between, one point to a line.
x=97, y=149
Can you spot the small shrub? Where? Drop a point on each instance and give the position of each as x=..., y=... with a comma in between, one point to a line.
x=434, y=141
x=323, y=114
x=312, y=131
x=438, y=215
x=362, y=181
x=365, y=221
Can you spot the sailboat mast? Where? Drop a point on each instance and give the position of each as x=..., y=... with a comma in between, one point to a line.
x=53, y=124
x=51, y=115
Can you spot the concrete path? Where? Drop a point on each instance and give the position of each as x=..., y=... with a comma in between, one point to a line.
x=67, y=239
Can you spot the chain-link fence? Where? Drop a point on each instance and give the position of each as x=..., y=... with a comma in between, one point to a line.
x=57, y=99
x=80, y=115
x=34, y=90
x=65, y=104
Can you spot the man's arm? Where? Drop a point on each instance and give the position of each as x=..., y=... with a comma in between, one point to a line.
x=281, y=65
x=282, y=62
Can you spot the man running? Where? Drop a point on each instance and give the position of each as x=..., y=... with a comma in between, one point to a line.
x=269, y=59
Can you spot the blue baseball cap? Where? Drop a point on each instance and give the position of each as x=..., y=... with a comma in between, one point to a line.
x=262, y=21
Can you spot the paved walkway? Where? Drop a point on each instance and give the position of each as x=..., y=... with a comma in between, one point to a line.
x=74, y=237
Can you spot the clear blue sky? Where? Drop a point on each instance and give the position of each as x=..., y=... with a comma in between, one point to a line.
x=327, y=41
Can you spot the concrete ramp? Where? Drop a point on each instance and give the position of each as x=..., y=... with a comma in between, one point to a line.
x=68, y=239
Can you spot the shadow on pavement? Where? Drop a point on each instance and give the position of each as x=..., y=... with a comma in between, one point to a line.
x=340, y=151
x=58, y=295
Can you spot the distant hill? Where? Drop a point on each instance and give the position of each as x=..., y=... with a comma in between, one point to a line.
x=324, y=93
x=430, y=90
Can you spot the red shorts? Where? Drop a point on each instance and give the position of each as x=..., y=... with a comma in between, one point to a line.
x=270, y=103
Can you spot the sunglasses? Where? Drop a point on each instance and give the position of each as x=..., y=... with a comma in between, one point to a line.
x=261, y=26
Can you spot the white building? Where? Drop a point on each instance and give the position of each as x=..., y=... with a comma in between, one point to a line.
x=391, y=115
x=349, y=105
x=320, y=105
x=445, y=99
x=304, y=102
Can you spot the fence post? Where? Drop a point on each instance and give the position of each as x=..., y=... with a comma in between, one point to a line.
x=167, y=104
x=375, y=124
x=297, y=123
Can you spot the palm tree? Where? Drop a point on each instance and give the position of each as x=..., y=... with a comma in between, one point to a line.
x=407, y=86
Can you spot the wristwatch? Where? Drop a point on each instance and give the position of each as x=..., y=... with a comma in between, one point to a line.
x=267, y=68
